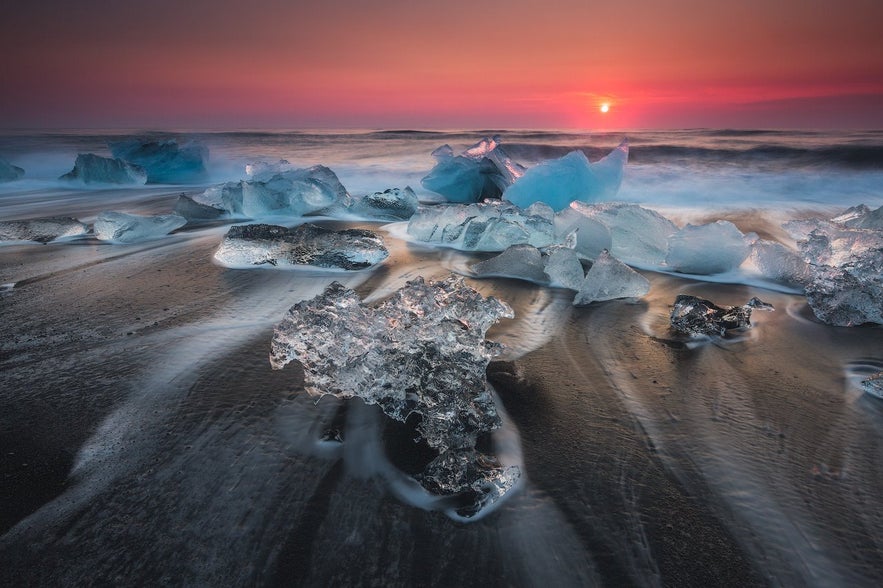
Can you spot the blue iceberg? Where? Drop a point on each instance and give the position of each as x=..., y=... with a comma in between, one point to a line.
x=484, y=170
x=166, y=162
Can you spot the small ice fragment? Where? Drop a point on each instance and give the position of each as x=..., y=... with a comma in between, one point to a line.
x=563, y=268
x=304, y=245
x=639, y=236
x=94, y=169
x=165, y=162
x=41, y=230
x=391, y=204
x=521, y=261
x=608, y=279
x=120, y=227
x=777, y=262
x=195, y=211
x=482, y=171
x=874, y=385
x=9, y=172
x=707, y=249
x=478, y=479
x=592, y=236
x=696, y=316
x=558, y=182
x=758, y=304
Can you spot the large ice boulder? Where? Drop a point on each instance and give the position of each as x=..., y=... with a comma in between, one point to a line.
x=94, y=169
x=9, y=172
x=41, y=230
x=638, y=235
x=608, y=279
x=391, y=204
x=304, y=245
x=484, y=170
x=558, y=182
x=165, y=161
x=708, y=249
x=120, y=227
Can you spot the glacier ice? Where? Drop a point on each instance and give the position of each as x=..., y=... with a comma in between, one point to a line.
x=558, y=182
x=708, y=249
x=563, y=267
x=304, y=245
x=482, y=171
x=165, y=161
x=195, y=211
x=697, y=316
x=517, y=261
x=488, y=226
x=776, y=262
x=639, y=236
x=391, y=204
x=94, y=169
x=861, y=217
x=608, y=279
x=130, y=228
x=41, y=230
x=264, y=170
x=874, y=385
x=422, y=351
x=9, y=172
x=592, y=236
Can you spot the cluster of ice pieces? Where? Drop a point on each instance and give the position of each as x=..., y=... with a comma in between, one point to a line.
x=41, y=230
x=484, y=170
x=699, y=317
x=165, y=162
x=422, y=351
x=9, y=172
x=121, y=227
x=304, y=245
x=94, y=169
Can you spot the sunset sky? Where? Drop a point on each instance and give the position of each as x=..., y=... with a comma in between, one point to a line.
x=442, y=64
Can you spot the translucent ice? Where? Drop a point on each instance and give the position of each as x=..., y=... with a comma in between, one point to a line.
x=708, y=249
x=422, y=351
x=9, y=172
x=639, y=236
x=874, y=385
x=264, y=170
x=391, y=204
x=592, y=236
x=861, y=217
x=94, y=169
x=609, y=278
x=482, y=171
x=696, y=316
x=165, y=161
x=491, y=226
x=563, y=268
x=195, y=211
x=517, y=261
x=777, y=262
x=130, y=228
x=42, y=230
x=558, y=182
x=304, y=245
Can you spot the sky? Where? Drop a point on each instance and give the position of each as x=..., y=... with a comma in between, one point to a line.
x=261, y=64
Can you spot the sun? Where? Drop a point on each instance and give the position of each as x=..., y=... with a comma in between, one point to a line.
x=605, y=107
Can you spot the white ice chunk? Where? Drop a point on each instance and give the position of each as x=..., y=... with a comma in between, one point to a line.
x=707, y=249
x=639, y=236
x=130, y=228
x=94, y=169
x=609, y=278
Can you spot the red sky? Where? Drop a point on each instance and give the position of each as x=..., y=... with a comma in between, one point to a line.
x=442, y=64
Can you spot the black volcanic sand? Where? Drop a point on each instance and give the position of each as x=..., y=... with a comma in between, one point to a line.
x=145, y=439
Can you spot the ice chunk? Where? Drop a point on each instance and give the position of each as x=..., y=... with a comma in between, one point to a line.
x=130, y=228
x=42, y=230
x=608, y=279
x=558, y=182
x=264, y=170
x=777, y=262
x=563, y=268
x=874, y=385
x=165, y=161
x=482, y=171
x=422, y=351
x=478, y=479
x=195, y=211
x=9, y=172
x=391, y=204
x=696, y=316
x=490, y=226
x=592, y=236
x=94, y=169
x=707, y=249
x=639, y=236
x=517, y=261
x=861, y=217
x=307, y=244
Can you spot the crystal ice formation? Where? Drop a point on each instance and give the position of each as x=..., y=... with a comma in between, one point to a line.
x=391, y=204
x=697, y=317
x=558, y=182
x=165, y=161
x=482, y=171
x=489, y=226
x=94, y=169
x=9, y=172
x=608, y=279
x=874, y=385
x=517, y=261
x=422, y=351
x=195, y=211
x=130, y=228
x=41, y=230
x=707, y=249
x=304, y=245
x=639, y=236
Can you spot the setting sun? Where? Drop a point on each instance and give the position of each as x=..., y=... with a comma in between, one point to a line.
x=605, y=107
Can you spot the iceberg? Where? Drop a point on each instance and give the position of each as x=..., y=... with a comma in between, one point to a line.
x=41, y=230
x=9, y=172
x=608, y=279
x=391, y=204
x=874, y=385
x=489, y=226
x=164, y=161
x=94, y=169
x=558, y=182
x=708, y=249
x=120, y=227
x=422, y=351
x=195, y=211
x=698, y=317
x=639, y=236
x=304, y=245
x=484, y=170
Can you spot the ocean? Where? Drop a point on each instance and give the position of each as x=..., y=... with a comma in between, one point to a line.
x=145, y=439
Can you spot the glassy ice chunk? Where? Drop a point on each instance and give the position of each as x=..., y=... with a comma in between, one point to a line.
x=639, y=236
x=308, y=244
x=264, y=170
x=423, y=351
x=195, y=211
x=517, y=261
x=489, y=226
x=130, y=228
x=696, y=316
x=391, y=204
x=41, y=230
x=861, y=217
x=608, y=279
x=94, y=169
x=9, y=172
x=563, y=268
x=165, y=161
x=478, y=478
x=592, y=236
x=874, y=385
x=482, y=171
x=707, y=249
x=777, y=262
x=558, y=182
